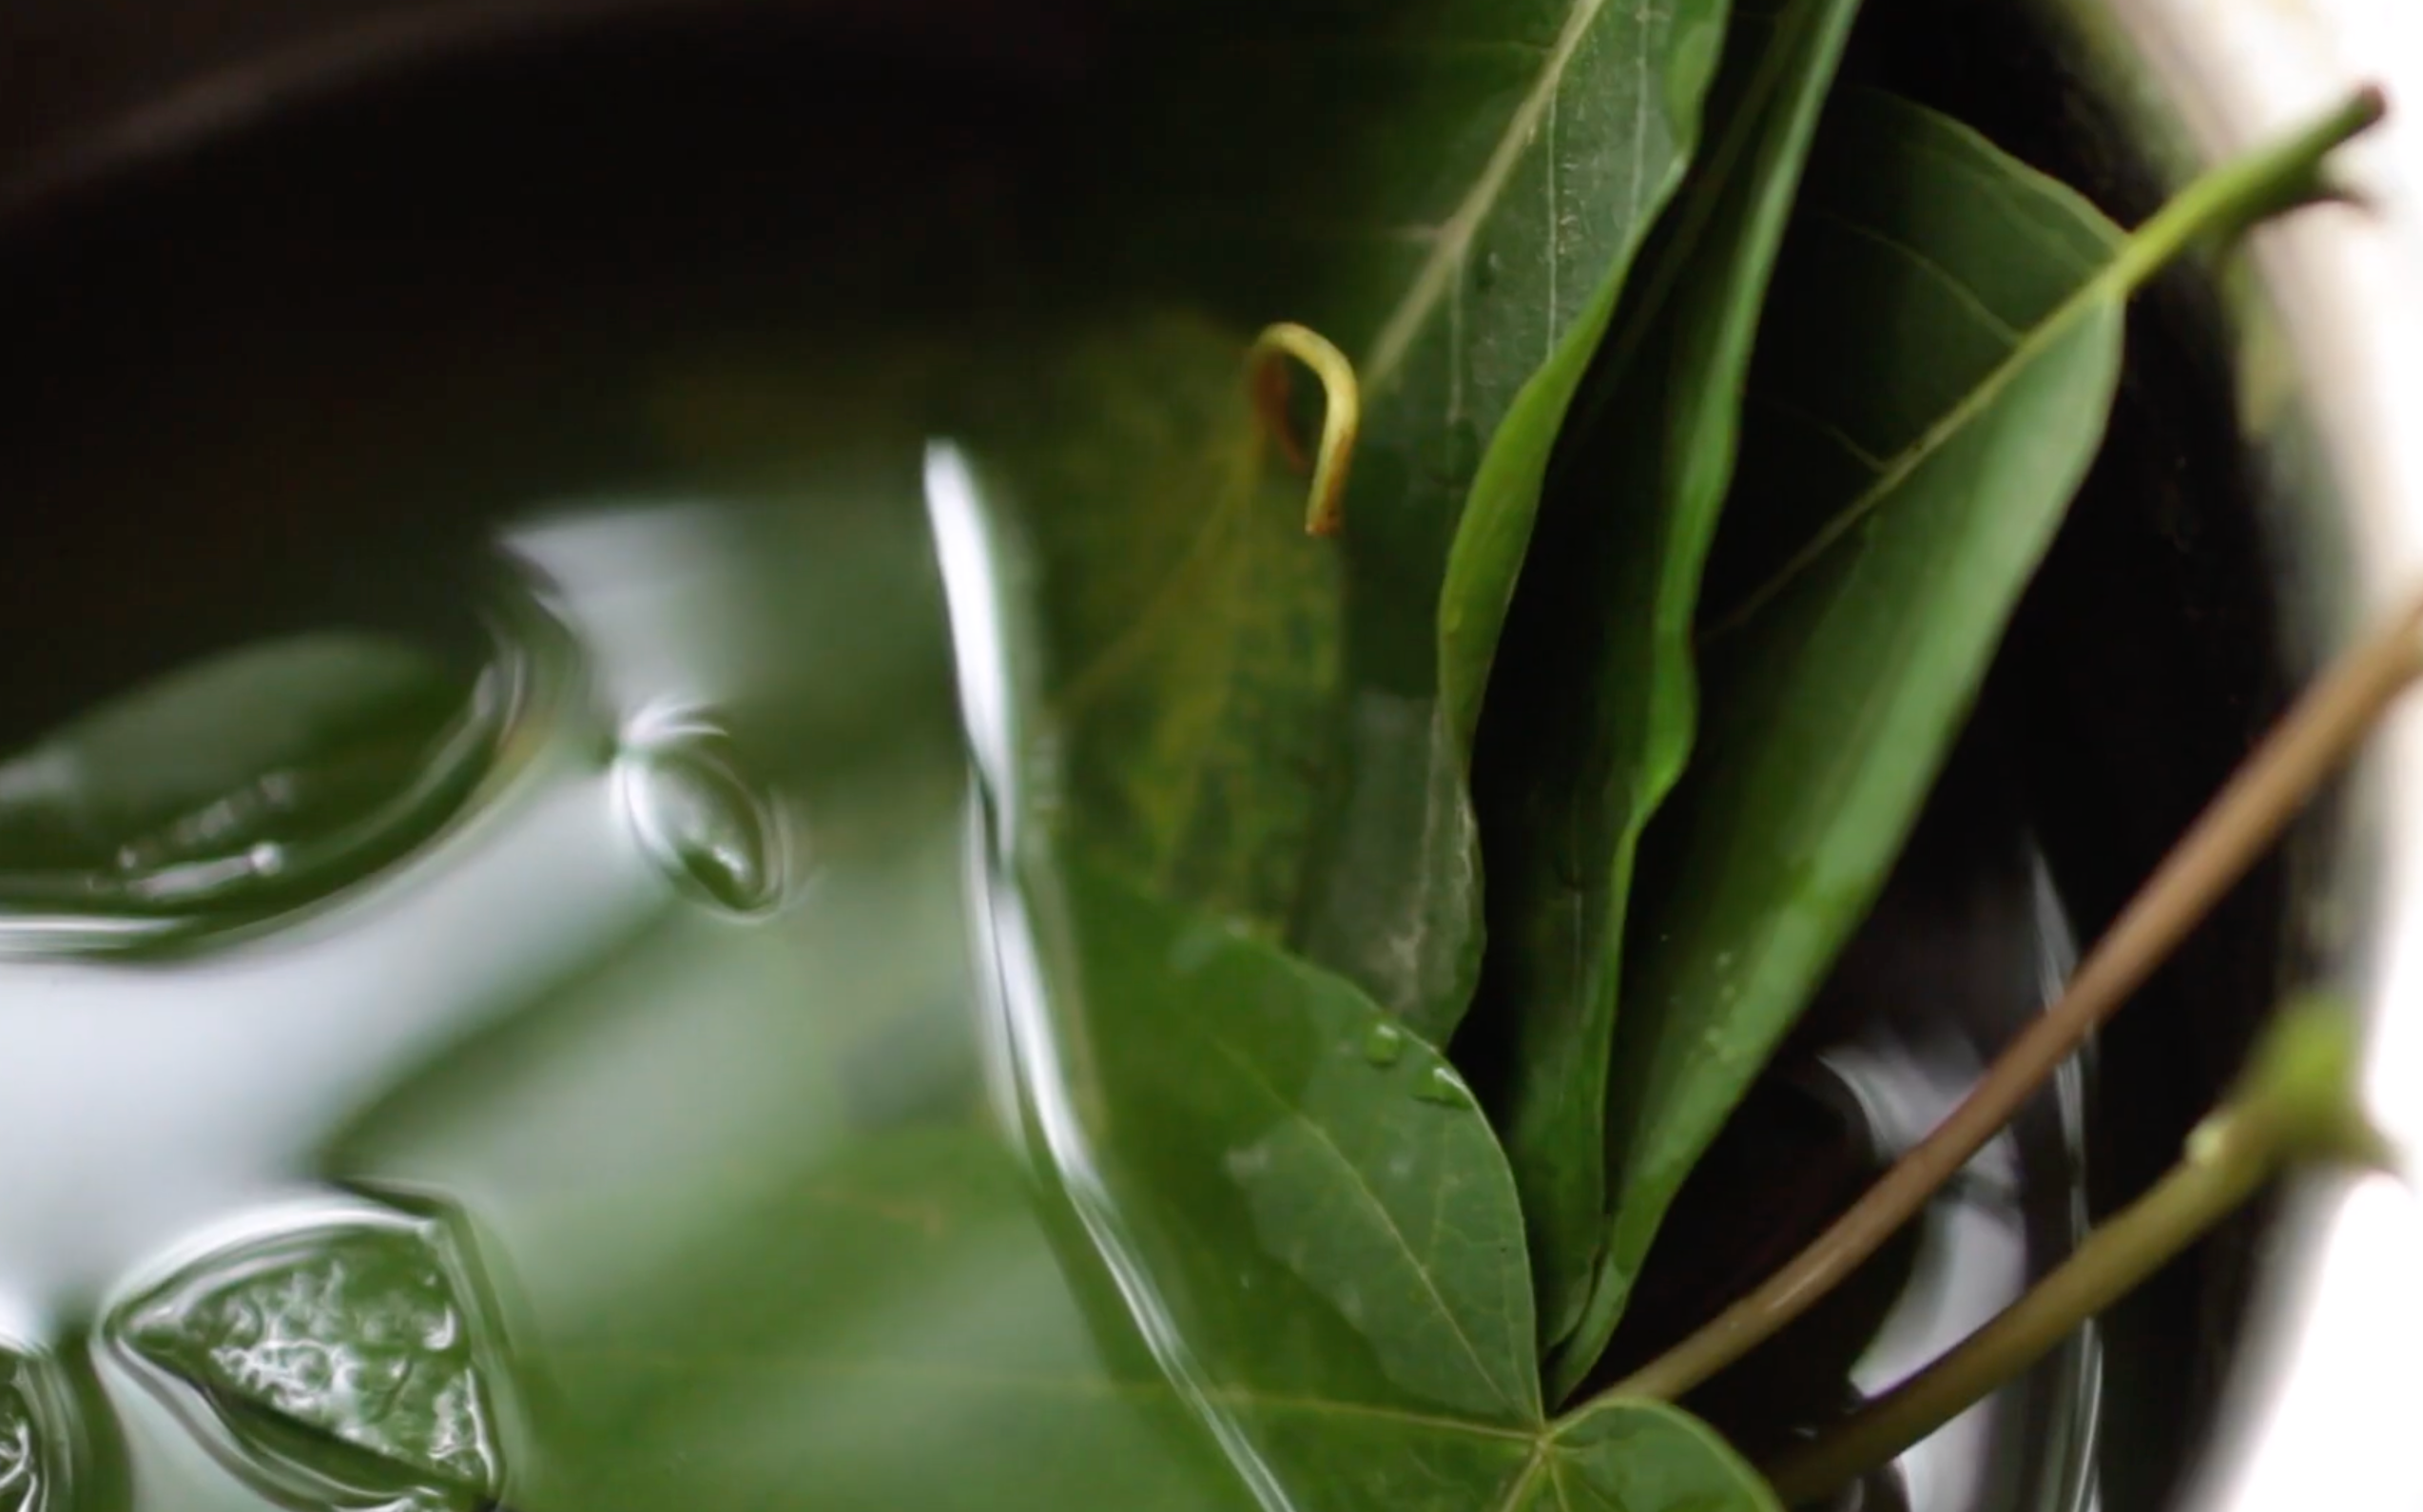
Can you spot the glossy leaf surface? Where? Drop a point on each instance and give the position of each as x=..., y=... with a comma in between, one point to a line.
x=1567, y=776
x=1934, y=368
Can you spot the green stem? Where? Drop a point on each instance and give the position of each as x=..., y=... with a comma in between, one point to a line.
x=1340, y=417
x=2223, y=203
x=2122, y=1253
x=2269, y=791
x=2298, y=1105
x=2233, y=197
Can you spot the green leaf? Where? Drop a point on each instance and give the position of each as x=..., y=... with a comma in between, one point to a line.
x=1190, y=628
x=1622, y=1456
x=1451, y=192
x=1934, y=367
x=333, y=1362
x=1565, y=783
x=1311, y=1132
x=1229, y=1238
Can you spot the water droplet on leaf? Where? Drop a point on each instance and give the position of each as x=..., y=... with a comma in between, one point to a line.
x=1445, y=1088
x=333, y=1364
x=703, y=824
x=1385, y=1045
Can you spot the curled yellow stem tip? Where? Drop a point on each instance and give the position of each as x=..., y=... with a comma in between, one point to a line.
x=1340, y=419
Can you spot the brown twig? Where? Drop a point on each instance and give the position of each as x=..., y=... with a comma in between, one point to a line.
x=2305, y=749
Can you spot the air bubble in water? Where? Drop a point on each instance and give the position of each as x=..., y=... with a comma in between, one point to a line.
x=703, y=824
x=338, y=1363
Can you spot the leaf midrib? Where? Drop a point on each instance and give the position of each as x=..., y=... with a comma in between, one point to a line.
x=1447, y=252
x=2113, y=281
x=1362, y=1188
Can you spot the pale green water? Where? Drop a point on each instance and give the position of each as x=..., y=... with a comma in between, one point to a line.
x=487, y=1001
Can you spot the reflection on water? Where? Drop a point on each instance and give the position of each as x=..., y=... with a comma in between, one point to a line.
x=274, y=773
x=2015, y=1211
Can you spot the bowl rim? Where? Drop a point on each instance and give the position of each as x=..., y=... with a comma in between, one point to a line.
x=2319, y=1403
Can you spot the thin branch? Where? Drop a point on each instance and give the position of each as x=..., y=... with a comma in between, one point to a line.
x=2318, y=735
x=2297, y=1104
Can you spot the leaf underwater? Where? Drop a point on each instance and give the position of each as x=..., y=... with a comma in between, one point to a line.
x=1564, y=784
x=1067, y=1196
x=1934, y=369
x=398, y=1411
x=1284, y=1269
x=1451, y=192
x=1190, y=629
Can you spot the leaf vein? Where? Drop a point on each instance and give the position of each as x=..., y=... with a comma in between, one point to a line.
x=1363, y=1186
x=1404, y=322
x=1557, y=1479
x=1521, y=1485
x=2105, y=285
x=1809, y=421
x=1103, y=669
x=1962, y=294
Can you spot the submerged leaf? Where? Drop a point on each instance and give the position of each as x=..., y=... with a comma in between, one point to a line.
x=1567, y=775
x=998, y=1181
x=339, y=1364
x=1934, y=368
x=1451, y=192
x=1624, y=1456
x=1191, y=627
